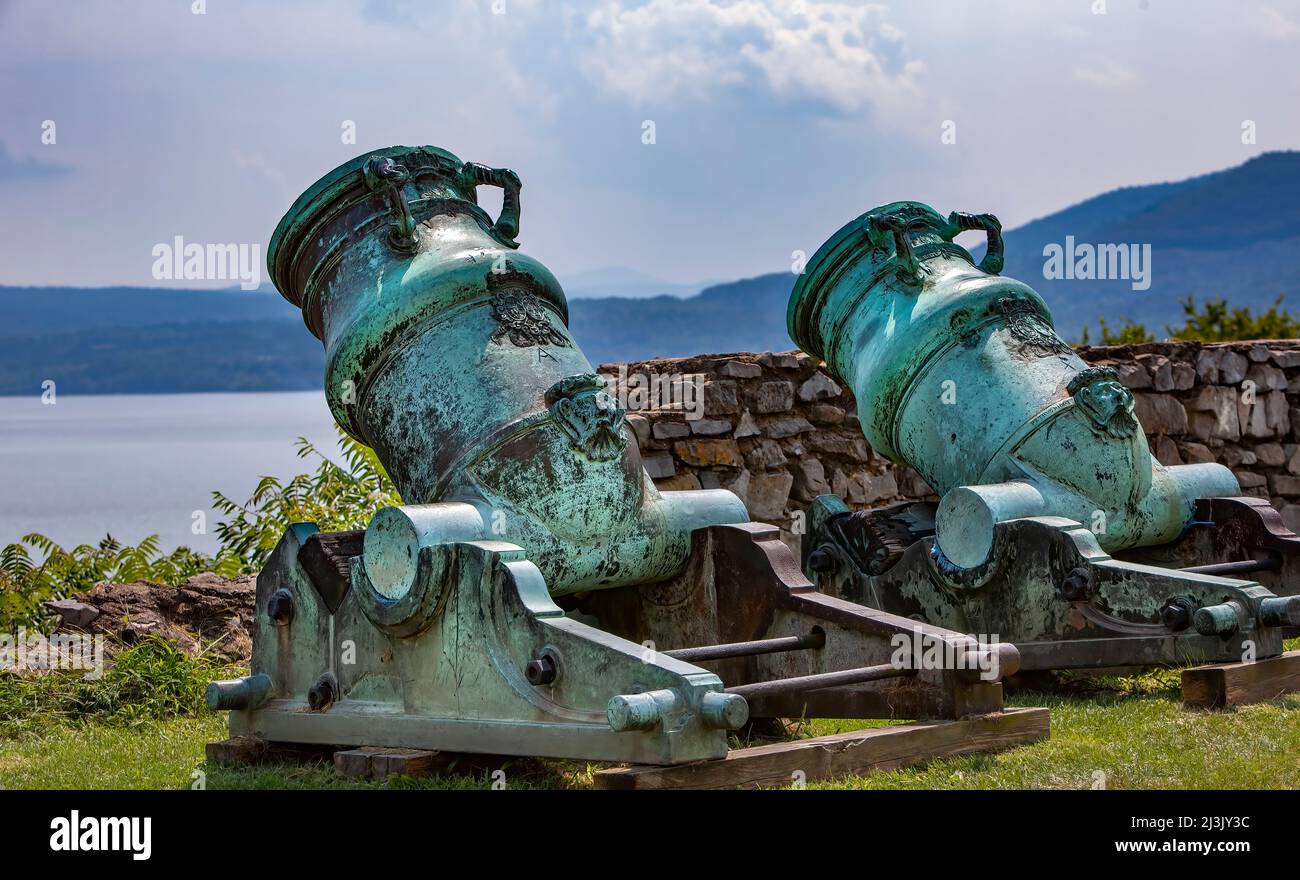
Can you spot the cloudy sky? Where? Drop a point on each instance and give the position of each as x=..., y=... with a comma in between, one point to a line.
x=775, y=121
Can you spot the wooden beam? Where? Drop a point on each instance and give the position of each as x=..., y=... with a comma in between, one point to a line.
x=236, y=750
x=1219, y=685
x=326, y=557
x=841, y=754
x=255, y=750
x=371, y=762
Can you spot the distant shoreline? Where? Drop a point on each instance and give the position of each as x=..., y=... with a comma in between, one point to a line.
x=165, y=393
x=135, y=465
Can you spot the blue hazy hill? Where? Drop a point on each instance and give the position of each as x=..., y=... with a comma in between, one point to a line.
x=1233, y=233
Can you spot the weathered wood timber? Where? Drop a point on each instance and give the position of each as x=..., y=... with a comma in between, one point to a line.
x=371, y=762
x=842, y=754
x=1221, y=685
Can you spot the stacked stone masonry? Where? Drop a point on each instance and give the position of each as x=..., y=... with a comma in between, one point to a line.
x=775, y=429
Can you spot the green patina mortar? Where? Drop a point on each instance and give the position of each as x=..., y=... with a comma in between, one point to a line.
x=448, y=351
x=959, y=373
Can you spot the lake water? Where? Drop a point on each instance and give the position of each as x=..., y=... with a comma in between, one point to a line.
x=137, y=465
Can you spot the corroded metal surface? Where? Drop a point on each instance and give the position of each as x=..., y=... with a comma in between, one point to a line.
x=1042, y=468
x=447, y=351
x=1051, y=590
x=959, y=374
x=458, y=683
x=744, y=585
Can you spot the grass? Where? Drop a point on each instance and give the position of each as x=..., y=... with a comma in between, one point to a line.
x=1118, y=742
x=143, y=726
x=152, y=755
x=148, y=680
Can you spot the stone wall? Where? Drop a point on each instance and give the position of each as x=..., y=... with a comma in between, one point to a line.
x=208, y=615
x=777, y=430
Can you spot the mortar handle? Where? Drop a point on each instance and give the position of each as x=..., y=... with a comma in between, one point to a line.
x=507, y=226
x=383, y=175
x=959, y=222
x=909, y=269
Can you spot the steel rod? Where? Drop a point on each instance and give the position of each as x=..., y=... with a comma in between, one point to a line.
x=1245, y=566
x=749, y=649
x=802, y=683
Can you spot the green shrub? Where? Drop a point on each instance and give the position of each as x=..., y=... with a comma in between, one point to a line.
x=149, y=680
x=1128, y=333
x=1215, y=321
x=26, y=583
x=335, y=497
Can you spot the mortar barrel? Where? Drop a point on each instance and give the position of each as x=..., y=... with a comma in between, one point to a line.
x=959, y=373
x=448, y=351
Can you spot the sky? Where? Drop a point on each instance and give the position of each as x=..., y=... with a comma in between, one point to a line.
x=774, y=121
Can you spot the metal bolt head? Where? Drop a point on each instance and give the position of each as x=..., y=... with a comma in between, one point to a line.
x=1076, y=585
x=1216, y=620
x=280, y=607
x=316, y=697
x=540, y=671
x=1280, y=611
x=322, y=694
x=723, y=711
x=636, y=711
x=821, y=561
x=1176, y=614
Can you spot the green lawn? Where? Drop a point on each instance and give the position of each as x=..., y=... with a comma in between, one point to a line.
x=144, y=726
x=1138, y=741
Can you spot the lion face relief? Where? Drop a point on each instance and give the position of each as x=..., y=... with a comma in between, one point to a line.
x=590, y=418
x=1106, y=402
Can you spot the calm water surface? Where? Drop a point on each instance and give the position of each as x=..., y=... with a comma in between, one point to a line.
x=136, y=465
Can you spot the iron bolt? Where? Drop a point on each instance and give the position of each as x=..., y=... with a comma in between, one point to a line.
x=643, y=711
x=1280, y=611
x=323, y=693
x=280, y=607
x=1076, y=585
x=1217, y=620
x=1176, y=614
x=238, y=693
x=723, y=711
x=540, y=671
x=821, y=561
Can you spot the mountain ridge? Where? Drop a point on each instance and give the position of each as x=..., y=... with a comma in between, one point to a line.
x=1226, y=233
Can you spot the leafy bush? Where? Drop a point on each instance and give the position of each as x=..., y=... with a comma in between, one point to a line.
x=26, y=583
x=1129, y=333
x=150, y=680
x=1215, y=321
x=334, y=496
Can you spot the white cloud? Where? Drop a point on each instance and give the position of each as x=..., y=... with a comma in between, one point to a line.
x=1278, y=25
x=1109, y=74
x=842, y=55
x=27, y=168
